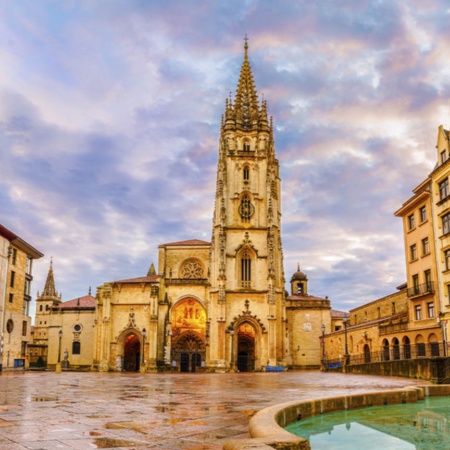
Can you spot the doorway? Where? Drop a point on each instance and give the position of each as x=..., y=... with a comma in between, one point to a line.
x=132, y=354
x=246, y=348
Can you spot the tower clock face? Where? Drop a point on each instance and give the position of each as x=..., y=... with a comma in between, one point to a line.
x=246, y=209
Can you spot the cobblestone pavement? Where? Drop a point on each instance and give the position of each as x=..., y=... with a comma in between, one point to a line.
x=159, y=411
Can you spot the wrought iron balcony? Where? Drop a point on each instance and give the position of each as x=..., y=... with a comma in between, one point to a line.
x=421, y=289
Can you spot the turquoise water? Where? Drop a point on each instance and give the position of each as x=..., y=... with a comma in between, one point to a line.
x=421, y=425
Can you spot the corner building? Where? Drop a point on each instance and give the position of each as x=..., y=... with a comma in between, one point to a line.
x=211, y=306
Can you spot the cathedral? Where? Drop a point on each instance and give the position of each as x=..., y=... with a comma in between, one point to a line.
x=209, y=306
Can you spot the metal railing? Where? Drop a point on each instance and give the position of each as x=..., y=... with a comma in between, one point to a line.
x=421, y=289
x=400, y=352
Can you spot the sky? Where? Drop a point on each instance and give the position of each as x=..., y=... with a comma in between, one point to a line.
x=110, y=117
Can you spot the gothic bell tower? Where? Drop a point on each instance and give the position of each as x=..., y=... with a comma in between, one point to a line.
x=247, y=307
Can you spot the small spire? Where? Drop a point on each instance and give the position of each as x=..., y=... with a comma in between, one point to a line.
x=151, y=271
x=90, y=290
x=298, y=267
x=49, y=289
x=245, y=46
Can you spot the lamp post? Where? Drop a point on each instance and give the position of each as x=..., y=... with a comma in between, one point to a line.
x=58, y=364
x=231, y=331
x=323, y=348
x=144, y=335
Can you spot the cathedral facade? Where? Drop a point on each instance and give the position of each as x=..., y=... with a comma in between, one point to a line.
x=216, y=305
x=208, y=306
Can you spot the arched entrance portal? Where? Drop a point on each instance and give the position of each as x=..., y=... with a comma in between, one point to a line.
x=189, y=351
x=131, y=354
x=188, y=335
x=246, y=348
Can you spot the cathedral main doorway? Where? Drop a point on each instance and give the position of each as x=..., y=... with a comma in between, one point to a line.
x=246, y=348
x=189, y=351
x=188, y=335
x=132, y=354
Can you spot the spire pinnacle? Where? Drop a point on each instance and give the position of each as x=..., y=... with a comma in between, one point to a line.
x=49, y=289
x=151, y=270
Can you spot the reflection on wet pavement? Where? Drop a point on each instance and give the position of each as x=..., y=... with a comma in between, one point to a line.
x=160, y=411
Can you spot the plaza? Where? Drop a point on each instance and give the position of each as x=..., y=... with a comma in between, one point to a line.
x=73, y=410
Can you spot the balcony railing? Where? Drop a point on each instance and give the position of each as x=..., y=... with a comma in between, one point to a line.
x=421, y=289
x=393, y=328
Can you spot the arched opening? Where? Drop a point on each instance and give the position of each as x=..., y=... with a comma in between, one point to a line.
x=366, y=353
x=131, y=353
x=434, y=344
x=189, y=351
x=385, y=345
x=246, y=348
x=406, y=348
x=420, y=346
x=396, y=348
x=188, y=335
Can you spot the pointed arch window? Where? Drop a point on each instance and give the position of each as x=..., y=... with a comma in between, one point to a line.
x=246, y=269
x=246, y=173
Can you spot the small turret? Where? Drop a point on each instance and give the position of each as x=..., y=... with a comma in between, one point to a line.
x=299, y=283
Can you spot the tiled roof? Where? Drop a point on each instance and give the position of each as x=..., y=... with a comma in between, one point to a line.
x=20, y=243
x=150, y=279
x=191, y=242
x=305, y=297
x=338, y=314
x=88, y=301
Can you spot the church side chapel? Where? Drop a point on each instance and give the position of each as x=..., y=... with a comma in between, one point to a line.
x=219, y=305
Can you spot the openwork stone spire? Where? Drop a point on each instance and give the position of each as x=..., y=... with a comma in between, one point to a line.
x=50, y=290
x=246, y=113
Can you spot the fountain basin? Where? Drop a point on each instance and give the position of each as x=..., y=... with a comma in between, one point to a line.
x=267, y=426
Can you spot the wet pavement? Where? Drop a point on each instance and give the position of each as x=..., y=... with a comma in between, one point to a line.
x=44, y=410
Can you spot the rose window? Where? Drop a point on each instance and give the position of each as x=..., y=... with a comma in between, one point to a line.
x=192, y=269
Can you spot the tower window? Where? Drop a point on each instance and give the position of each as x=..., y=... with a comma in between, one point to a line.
x=246, y=270
x=246, y=146
x=246, y=173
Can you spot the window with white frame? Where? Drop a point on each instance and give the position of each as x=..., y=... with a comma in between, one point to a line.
x=446, y=223
x=418, y=311
x=444, y=190
x=425, y=246
x=423, y=214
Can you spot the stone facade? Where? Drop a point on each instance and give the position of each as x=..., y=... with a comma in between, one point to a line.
x=16, y=259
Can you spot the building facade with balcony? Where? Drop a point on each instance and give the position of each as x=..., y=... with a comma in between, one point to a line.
x=16, y=263
x=422, y=292
x=440, y=188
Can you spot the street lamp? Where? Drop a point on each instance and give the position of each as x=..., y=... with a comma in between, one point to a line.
x=60, y=333
x=323, y=347
x=58, y=364
x=231, y=331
